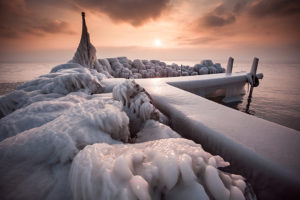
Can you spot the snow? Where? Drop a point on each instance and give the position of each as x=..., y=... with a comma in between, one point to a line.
x=149, y=170
x=153, y=130
x=38, y=113
x=63, y=80
x=137, y=104
x=46, y=152
x=253, y=146
x=122, y=67
x=62, y=137
x=86, y=52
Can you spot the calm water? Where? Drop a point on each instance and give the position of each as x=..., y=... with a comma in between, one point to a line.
x=277, y=98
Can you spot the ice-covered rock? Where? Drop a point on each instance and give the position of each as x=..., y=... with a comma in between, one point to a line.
x=171, y=168
x=207, y=63
x=106, y=65
x=38, y=114
x=154, y=130
x=212, y=70
x=203, y=70
x=138, y=64
x=65, y=66
x=137, y=104
x=35, y=163
x=53, y=85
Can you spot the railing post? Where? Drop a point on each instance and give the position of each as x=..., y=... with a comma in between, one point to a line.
x=254, y=67
x=229, y=65
x=254, y=83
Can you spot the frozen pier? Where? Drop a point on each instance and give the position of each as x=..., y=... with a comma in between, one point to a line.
x=266, y=153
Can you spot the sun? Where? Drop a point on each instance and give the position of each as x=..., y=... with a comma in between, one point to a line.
x=157, y=42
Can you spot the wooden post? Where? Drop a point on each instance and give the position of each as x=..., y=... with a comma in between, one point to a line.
x=229, y=65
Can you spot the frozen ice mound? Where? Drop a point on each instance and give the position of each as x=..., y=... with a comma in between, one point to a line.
x=137, y=104
x=174, y=168
x=122, y=67
x=38, y=113
x=153, y=130
x=63, y=80
x=35, y=163
x=71, y=147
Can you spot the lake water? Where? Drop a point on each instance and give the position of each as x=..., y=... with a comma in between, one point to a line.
x=277, y=98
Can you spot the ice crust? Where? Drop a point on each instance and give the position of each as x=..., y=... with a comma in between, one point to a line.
x=35, y=162
x=167, y=168
x=122, y=67
x=61, y=139
x=64, y=141
x=137, y=104
x=39, y=113
x=63, y=80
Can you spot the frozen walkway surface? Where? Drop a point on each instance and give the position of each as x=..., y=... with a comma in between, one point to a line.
x=267, y=154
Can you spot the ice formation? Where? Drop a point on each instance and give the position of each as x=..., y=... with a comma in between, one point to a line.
x=39, y=113
x=122, y=67
x=162, y=169
x=86, y=52
x=35, y=163
x=154, y=130
x=61, y=139
x=63, y=125
x=63, y=80
x=137, y=104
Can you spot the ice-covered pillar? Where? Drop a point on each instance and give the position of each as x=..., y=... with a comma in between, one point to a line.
x=253, y=81
x=86, y=52
x=254, y=66
x=229, y=65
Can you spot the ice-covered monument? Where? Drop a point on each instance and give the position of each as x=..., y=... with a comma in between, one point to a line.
x=78, y=133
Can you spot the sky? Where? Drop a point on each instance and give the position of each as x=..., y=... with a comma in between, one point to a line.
x=49, y=30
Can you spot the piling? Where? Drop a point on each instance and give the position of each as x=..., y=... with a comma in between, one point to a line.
x=229, y=65
x=254, y=82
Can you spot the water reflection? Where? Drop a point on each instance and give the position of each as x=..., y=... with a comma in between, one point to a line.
x=244, y=106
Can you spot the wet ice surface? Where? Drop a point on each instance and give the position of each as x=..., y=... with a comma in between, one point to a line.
x=56, y=129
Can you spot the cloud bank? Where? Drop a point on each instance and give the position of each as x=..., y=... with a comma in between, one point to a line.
x=16, y=19
x=134, y=12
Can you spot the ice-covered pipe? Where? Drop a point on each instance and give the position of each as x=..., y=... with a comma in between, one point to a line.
x=229, y=65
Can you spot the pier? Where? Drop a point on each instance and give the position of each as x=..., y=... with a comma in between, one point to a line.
x=265, y=153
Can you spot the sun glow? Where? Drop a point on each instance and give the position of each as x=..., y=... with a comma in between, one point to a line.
x=157, y=42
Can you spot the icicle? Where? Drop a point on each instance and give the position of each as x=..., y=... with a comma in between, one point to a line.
x=86, y=52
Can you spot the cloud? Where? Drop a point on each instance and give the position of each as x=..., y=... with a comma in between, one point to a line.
x=20, y=17
x=134, y=12
x=213, y=20
x=50, y=26
x=224, y=13
x=274, y=8
x=236, y=22
x=195, y=40
x=16, y=20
